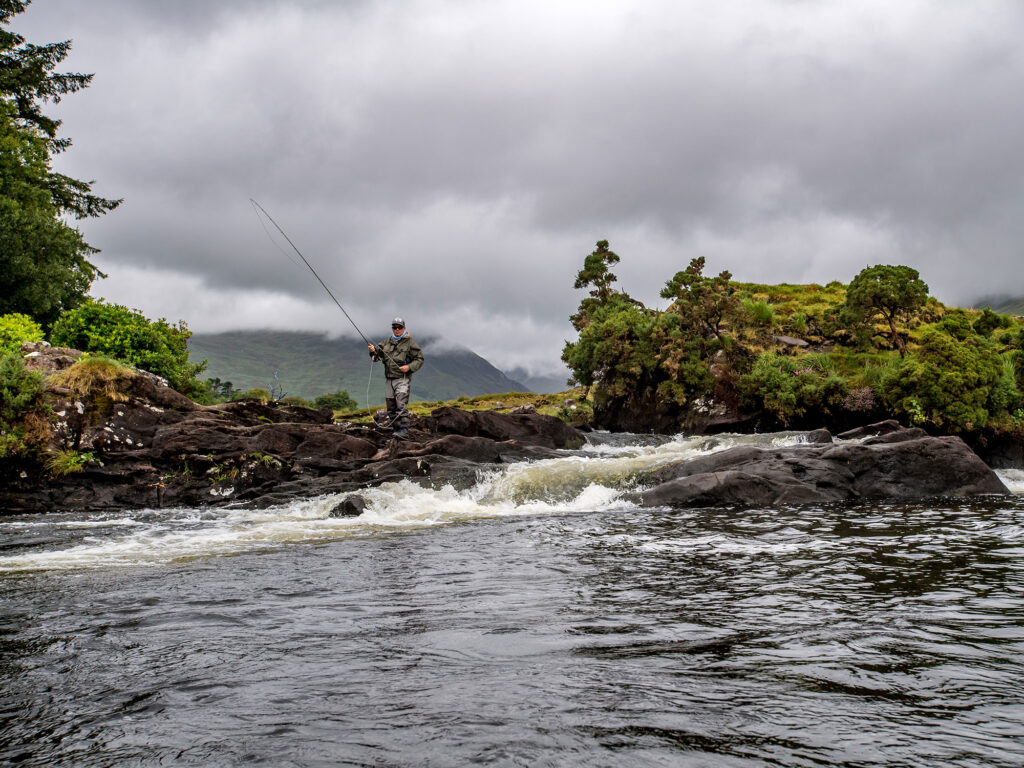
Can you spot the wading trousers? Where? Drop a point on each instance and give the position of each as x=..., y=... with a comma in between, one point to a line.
x=396, y=395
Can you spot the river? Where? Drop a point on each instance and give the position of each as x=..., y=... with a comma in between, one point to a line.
x=535, y=618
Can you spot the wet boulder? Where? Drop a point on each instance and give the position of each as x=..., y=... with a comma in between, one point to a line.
x=352, y=505
x=527, y=428
x=900, y=465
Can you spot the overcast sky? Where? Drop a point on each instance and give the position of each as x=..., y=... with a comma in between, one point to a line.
x=453, y=161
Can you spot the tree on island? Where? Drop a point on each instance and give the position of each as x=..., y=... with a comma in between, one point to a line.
x=889, y=292
x=44, y=265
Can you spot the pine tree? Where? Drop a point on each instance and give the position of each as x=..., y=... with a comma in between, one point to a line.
x=44, y=265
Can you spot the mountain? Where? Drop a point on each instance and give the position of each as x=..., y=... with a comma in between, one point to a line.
x=544, y=385
x=1003, y=304
x=310, y=364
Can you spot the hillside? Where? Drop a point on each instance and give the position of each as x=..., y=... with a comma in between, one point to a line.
x=310, y=364
x=1004, y=305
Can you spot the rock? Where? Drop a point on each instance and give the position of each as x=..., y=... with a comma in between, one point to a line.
x=350, y=506
x=871, y=430
x=819, y=436
x=910, y=466
x=528, y=428
x=791, y=341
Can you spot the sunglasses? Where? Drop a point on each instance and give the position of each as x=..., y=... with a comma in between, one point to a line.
x=398, y=326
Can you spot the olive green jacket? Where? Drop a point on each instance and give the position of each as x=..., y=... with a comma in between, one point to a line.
x=393, y=354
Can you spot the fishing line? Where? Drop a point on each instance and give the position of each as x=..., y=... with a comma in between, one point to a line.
x=260, y=209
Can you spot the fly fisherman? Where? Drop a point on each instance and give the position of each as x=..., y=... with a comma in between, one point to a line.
x=402, y=357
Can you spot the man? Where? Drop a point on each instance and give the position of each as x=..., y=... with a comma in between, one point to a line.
x=402, y=357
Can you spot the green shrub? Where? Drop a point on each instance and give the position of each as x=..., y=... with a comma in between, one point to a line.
x=1004, y=395
x=127, y=335
x=24, y=423
x=798, y=323
x=948, y=381
x=252, y=394
x=988, y=321
x=68, y=461
x=295, y=400
x=790, y=387
x=16, y=328
x=336, y=401
x=957, y=324
x=760, y=312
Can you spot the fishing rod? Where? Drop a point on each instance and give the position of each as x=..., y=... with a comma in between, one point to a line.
x=377, y=349
x=260, y=209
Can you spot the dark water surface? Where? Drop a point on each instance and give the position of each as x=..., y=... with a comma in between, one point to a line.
x=867, y=636
x=846, y=636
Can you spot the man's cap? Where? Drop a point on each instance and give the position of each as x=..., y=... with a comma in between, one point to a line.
x=398, y=321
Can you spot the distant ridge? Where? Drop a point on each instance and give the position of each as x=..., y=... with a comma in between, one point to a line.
x=310, y=364
x=541, y=384
x=1003, y=304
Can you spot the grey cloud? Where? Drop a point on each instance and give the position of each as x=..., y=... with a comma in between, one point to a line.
x=446, y=155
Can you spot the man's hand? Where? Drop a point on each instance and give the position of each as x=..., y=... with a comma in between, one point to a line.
x=403, y=368
x=371, y=348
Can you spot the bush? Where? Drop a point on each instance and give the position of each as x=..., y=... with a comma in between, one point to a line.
x=760, y=313
x=336, y=401
x=798, y=323
x=16, y=328
x=127, y=335
x=988, y=321
x=251, y=394
x=790, y=387
x=950, y=382
x=24, y=423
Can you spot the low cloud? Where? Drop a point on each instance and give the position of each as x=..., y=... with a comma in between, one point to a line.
x=454, y=161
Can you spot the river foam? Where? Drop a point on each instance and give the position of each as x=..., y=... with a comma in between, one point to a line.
x=594, y=479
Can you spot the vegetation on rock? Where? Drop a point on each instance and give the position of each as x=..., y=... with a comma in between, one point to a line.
x=127, y=335
x=791, y=355
x=24, y=421
x=17, y=328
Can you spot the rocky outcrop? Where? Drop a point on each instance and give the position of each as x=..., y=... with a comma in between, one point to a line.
x=894, y=464
x=150, y=446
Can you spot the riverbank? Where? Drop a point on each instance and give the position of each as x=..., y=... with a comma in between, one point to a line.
x=143, y=445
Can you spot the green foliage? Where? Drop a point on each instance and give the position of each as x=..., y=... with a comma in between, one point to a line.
x=680, y=358
x=761, y=313
x=957, y=324
x=703, y=304
x=127, y=335
x=798, y=323
x=44, y=267
x=23, y=414
x=337, y=401
x=988, y=321
x=710, y=343
x=791, y=387
x=16, y=328
x=615, y=350
x=68, y=461
x=950, y=382
x=252, y=394
x=596, y=271
x=889, y=292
